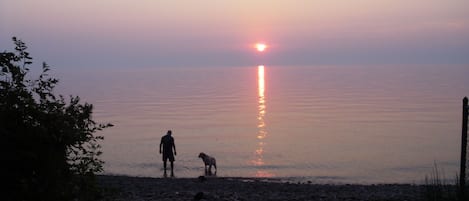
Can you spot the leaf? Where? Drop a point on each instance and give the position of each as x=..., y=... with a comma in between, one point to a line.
x=60, y=135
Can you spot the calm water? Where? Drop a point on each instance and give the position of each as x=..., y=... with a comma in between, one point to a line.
x=359, y=124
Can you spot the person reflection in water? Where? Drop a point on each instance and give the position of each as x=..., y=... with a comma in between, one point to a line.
x=167, y=143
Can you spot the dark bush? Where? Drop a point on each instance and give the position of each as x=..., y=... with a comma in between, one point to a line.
x=48, y=143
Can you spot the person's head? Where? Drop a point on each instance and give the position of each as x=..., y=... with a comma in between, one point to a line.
x=169, y=132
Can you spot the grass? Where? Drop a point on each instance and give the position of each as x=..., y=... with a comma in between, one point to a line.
x=436, y=187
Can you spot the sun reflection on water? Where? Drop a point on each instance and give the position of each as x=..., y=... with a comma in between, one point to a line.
x=261, y=125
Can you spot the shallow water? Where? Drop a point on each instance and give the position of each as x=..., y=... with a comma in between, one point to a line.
x=334, y=124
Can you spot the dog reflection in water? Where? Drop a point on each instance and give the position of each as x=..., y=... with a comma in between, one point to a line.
x=208, y=162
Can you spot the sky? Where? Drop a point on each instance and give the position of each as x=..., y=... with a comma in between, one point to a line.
x=152, y=33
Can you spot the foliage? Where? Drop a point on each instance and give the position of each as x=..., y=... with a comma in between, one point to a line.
x=47, y=143
x=436, y=189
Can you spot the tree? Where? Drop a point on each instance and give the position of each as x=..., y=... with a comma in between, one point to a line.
x=48, y=144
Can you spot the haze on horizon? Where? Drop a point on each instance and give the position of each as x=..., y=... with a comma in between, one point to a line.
x=146, y=33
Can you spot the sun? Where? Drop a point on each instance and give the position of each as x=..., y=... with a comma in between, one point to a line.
x=261, y=47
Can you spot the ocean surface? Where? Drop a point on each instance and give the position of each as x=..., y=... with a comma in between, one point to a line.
x=325, y=124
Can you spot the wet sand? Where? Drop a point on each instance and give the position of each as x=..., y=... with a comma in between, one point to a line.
x=218, y=188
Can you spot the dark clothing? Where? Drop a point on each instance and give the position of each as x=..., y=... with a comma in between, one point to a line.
x=168, y=144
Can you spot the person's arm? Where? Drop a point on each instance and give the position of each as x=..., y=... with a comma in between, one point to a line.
x=174, y=146
x=161, y=144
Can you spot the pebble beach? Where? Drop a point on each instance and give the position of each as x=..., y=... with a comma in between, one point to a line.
x=123, y=188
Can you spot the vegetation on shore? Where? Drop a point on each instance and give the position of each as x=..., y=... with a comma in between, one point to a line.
x=48, y=142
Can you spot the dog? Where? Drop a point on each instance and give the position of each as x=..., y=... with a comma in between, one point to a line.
x=208, y=161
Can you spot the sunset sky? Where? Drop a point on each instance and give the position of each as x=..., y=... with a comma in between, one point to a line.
x=150, y=33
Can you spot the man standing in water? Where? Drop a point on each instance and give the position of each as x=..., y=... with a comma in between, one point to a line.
x=167, y=142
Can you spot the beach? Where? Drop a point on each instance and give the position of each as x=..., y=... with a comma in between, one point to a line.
x=124, y=188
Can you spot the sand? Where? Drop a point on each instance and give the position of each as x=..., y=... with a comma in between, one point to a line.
x=218, y=188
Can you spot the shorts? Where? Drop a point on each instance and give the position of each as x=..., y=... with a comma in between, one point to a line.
x=167, y=156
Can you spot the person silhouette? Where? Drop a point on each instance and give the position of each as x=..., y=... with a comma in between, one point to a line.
x=167, y=143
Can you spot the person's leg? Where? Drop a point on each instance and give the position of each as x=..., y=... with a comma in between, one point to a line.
x=172, y=168
x=164, y=165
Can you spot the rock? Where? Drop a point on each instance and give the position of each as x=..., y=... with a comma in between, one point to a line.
x=199, y=196
x=202, y=179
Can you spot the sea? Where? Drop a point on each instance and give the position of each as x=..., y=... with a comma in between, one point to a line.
x=366, y=124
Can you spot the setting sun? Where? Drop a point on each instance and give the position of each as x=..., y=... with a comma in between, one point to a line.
x=261, y=47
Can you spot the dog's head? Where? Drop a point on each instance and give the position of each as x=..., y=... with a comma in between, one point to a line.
x=202, y=155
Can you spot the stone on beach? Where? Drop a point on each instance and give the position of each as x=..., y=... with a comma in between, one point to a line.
x=219, y=188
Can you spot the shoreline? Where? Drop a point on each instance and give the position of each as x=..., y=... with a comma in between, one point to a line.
x=237, y=188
